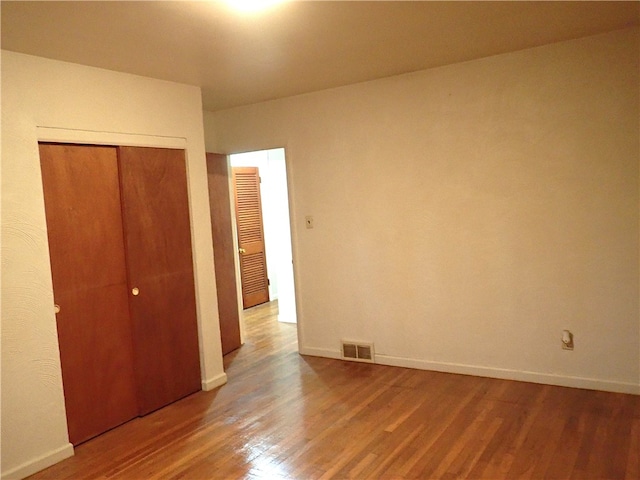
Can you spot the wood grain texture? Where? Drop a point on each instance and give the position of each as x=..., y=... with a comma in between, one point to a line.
x=84, y=225
x=253, y=261
x=155, y=211
x=285, y=416
x=223, y=250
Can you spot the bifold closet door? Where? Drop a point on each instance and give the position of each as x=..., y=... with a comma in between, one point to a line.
x=160, y=272
x=84, y=225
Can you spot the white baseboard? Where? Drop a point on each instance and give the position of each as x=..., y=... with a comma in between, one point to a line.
x=320, y=352
x=215, y=382
x=520, y=375
x=40, y=463
x=55, y=456
x=479, y=371
x=287, y=320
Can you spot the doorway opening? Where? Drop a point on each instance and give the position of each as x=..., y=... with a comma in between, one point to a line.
x=276, y=223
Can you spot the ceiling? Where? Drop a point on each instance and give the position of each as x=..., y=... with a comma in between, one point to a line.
x=296, y=47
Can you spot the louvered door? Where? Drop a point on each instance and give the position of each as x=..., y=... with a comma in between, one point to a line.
x=253, y=264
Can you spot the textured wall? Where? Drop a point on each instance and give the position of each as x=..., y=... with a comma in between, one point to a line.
x=49, y=100
x=466, y=215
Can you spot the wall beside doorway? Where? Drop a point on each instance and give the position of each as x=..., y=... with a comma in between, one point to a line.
x=466, y=215
x=55, y=101
x=277, y=230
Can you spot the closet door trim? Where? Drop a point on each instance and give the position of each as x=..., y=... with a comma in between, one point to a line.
x=110, y=139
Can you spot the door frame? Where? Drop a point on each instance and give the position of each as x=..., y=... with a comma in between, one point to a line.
x=292, y=233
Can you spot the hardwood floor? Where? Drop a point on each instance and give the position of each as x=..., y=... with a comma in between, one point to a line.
x=284, y=416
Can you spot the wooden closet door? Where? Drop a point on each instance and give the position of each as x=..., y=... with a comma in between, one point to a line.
x=223, y=251
x=84, y=226
x=159, y=261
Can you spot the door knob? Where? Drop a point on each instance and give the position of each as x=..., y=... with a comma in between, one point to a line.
x=56, y=308
x=242, y=250
x=135, y=291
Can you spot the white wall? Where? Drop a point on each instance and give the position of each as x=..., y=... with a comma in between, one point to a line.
x=49, y=100
x=466, y=215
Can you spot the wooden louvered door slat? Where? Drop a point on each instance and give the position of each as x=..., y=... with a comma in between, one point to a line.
x=253, y=265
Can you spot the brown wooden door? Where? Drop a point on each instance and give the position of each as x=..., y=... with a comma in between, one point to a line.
x=84, y=225
x=253, y=263
x=223, y=250
x=159, y=260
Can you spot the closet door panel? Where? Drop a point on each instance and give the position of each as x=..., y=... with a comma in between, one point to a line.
x=168, y=362
x=97, y=364
x=159, y=262
x=224, y=252
x=86, y=245
x=84, y=220
x=156, y=210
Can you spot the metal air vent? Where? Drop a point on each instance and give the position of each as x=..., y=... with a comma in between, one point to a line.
x=357, y=351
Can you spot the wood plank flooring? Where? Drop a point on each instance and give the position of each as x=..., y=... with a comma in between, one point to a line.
x=285, y=416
